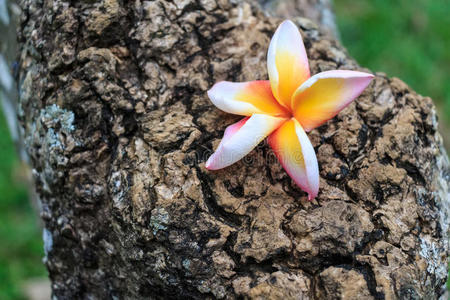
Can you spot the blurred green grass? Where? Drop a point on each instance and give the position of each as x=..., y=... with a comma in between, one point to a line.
x=21, y=247
x=409, y=39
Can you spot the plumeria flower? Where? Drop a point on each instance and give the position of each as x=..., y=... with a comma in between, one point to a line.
x=283, y=108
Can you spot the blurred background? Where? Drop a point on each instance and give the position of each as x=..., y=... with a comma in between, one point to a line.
x=409, y=39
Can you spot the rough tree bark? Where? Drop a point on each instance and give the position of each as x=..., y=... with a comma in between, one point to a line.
x=117, y=125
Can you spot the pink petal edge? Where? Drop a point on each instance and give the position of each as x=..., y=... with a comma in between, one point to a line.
x=240, y=138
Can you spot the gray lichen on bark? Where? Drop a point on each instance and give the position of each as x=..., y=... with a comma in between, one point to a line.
x=114, y=110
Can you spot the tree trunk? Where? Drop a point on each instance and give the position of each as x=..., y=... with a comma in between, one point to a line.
x=117, y=125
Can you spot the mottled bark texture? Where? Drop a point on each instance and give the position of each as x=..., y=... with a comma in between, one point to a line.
x=117, y=125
